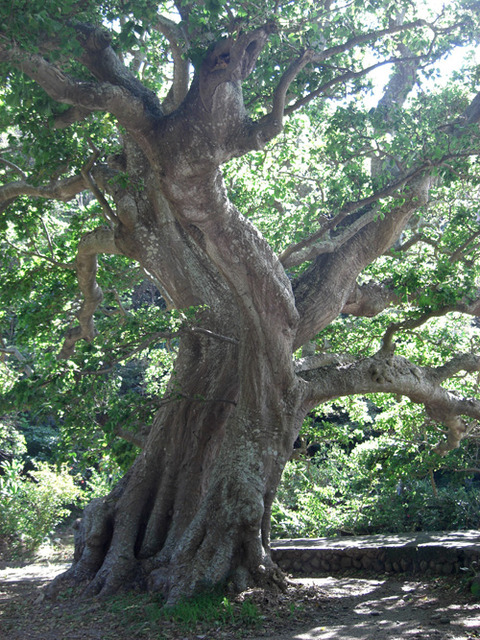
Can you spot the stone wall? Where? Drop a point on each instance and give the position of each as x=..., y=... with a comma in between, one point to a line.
x=442, y=553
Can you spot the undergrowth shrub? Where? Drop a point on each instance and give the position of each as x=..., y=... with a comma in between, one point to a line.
x=337, y=496
x=97, y=483
x=32, y=505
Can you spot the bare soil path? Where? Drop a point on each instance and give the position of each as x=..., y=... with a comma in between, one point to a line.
x=387, y=608
x=325, y=608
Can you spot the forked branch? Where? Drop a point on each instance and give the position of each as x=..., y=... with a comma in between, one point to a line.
x=469, y=307
x=270, y=125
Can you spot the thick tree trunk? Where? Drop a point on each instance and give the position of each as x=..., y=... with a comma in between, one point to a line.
x=194, y=510
x=195, y=507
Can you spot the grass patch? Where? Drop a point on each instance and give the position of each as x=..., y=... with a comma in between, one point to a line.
x=209, y=609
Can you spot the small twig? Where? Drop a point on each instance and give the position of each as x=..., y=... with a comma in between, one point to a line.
x=15, y=168
x=211, y=334
x=49, y=240
x=107, y=211
x=123, y=311
x=37, y=254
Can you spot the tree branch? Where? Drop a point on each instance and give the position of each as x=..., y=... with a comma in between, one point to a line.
x=296, y=254
x=101, y=240
x=395, y=374
x=466, y=362
x=106, y=66
x=107, y=211
x=11, y=165
x=174, y=33
x=388, y=346
x=318, y=289
x=270, y=125
x=322, y=290
x=310, y=248
x=4, y=350
x=36, y=253
x=368, y=300
x=342, y=79
x=469, y=307
x=63, y=190
x=70, y=116
x=128, y=107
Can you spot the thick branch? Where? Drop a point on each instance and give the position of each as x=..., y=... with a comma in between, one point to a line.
x=70, y=116
x=231, y=61
x=323, y=290
x=312, y=246
x=128, y=107
x=395, y=374
x=465, y=362
x=368, y=300
x=105, y=65
x=63, y=190
x=174, y=33
x=280, y=94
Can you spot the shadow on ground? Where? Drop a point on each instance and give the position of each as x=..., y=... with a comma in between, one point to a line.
x=325, y=608
x=350, y=608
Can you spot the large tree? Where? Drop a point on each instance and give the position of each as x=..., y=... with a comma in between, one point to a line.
x=161, y=110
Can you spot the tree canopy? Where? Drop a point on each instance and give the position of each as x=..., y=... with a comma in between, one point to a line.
x=249, y=208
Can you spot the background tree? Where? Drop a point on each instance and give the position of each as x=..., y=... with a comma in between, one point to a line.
x=126, y=111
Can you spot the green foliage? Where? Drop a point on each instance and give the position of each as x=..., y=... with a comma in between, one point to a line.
x=380, y=484
x=304, y=508
x=113, y=383
x=12, y=442
x=31, y=506
x=97, y=483
x=41, y=439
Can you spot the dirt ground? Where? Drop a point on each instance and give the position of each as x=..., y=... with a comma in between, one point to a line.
x=326, y=608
